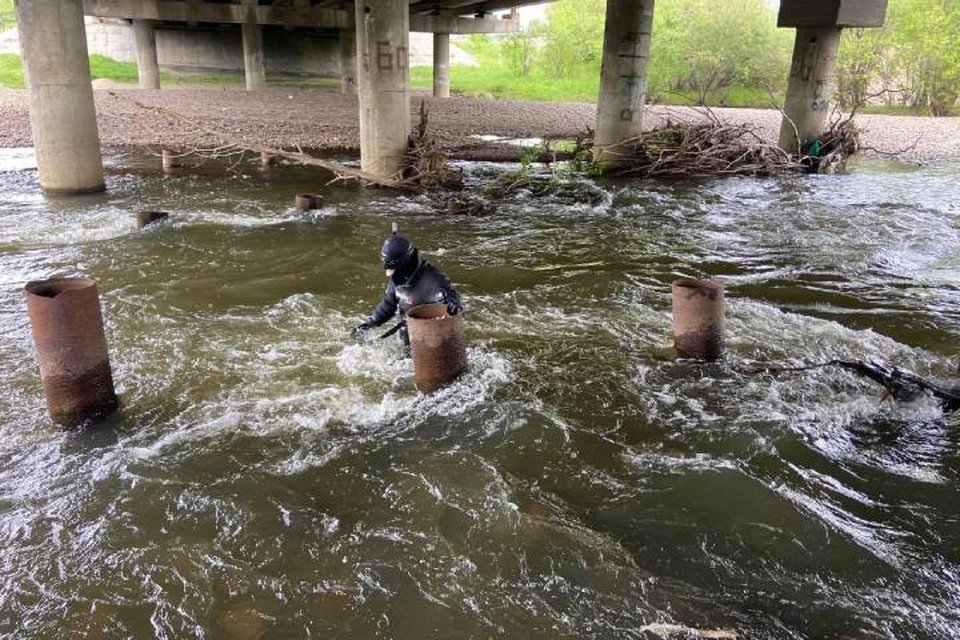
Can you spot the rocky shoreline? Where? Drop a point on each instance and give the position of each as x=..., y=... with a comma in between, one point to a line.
x=321, y=119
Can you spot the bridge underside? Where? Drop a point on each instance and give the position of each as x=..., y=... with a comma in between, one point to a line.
x=449, y=16
x=374, y=38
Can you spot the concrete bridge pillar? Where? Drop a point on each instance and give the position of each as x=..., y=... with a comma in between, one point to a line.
x=441, y=65
x=253, y=63
x=623, y=76
x=348, y=62
x=147, y=66
x=62, y=113
x=811, y=84
x=383, y=46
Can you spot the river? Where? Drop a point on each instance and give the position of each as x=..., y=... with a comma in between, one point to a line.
x=268, y=476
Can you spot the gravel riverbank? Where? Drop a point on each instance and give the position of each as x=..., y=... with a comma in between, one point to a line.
x=322, y=119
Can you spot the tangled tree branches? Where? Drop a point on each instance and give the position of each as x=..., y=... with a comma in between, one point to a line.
x=229, y=145
x=427, y=163
x=689, y=150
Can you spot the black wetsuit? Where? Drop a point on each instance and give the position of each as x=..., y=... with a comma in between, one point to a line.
x=425, y=285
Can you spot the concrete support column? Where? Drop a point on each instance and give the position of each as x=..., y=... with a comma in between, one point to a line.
x=441, y=65
x=348, y=62
x=147, y=66
x=383, y=46
x=253, y=64
x=811, y=84
x=623, y=77
x=62, y=114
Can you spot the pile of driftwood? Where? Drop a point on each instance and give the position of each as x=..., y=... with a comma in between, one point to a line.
x=427, y=163
x=705, y=148
x=690, y=150
x=714, y=148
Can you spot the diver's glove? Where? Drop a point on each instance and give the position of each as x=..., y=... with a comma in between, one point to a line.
x=361, y=329
x=453, y=307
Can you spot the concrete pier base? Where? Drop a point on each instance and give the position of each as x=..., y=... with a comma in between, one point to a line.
x=62, y=113
x=348, y=62
x=807, y=105
x=253, y=64
x=147, y=66
x=623, y=77
x=441, y=65
x=383, y=46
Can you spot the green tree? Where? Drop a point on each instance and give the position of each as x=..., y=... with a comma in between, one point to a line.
x=862, y=61
x=703, y=45
x=521, y=49
x=925, y=35
x=573, y=36
x=8, y=18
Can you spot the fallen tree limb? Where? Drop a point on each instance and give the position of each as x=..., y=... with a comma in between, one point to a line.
x=232, y=144
x=898, y=383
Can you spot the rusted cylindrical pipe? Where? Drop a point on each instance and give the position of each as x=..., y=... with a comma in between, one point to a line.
x=698, y=317
x=71, y=349
x=308, y=202
x=170, y=159
x=437, y=347
x=145, y=218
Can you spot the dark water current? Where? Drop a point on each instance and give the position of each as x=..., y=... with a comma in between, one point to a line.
x=269, y=477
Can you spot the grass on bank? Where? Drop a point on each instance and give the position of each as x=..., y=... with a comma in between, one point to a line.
x=488, y=81
x=483, y=81
x=102, y=67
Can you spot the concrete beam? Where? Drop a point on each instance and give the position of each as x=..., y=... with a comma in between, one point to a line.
x=253, y=58
x=441, y=65
x=195, y=12
x=832, y=13
x=62, y=114
x=623, y=76
x=383, y=46
x=148, y=68
x=299, y=15
x=348, y=62
x=807, y=105
x=459, y=25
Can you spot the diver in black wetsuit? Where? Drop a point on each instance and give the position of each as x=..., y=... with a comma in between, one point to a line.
x=412, y=282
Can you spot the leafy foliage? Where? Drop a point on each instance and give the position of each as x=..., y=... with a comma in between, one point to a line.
x=924, y=36
x=703, y=46
x=916, y=54
x=8, y=17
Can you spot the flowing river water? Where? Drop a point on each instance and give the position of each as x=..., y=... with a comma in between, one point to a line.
x=268, y=476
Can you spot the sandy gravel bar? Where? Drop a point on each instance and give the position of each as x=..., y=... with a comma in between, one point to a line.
x=322, y=119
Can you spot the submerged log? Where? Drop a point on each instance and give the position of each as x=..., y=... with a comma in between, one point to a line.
x=899, y=384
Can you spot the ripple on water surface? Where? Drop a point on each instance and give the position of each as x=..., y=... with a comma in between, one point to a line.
x=269, y=476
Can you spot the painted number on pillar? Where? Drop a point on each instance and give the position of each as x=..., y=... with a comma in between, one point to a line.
x=390, y=58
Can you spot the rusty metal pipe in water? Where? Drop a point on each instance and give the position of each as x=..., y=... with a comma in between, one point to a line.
x=437, y=347
x=308, y=202
x=698, y=318
x=169, y=159
x=145, y=218
x=71, y=349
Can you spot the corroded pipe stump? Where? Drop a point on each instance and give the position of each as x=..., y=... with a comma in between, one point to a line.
x=169, y=159
x=308, y=202
x=145, y=218
x=698, y=318
x=437, y=347
x=71, y=349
